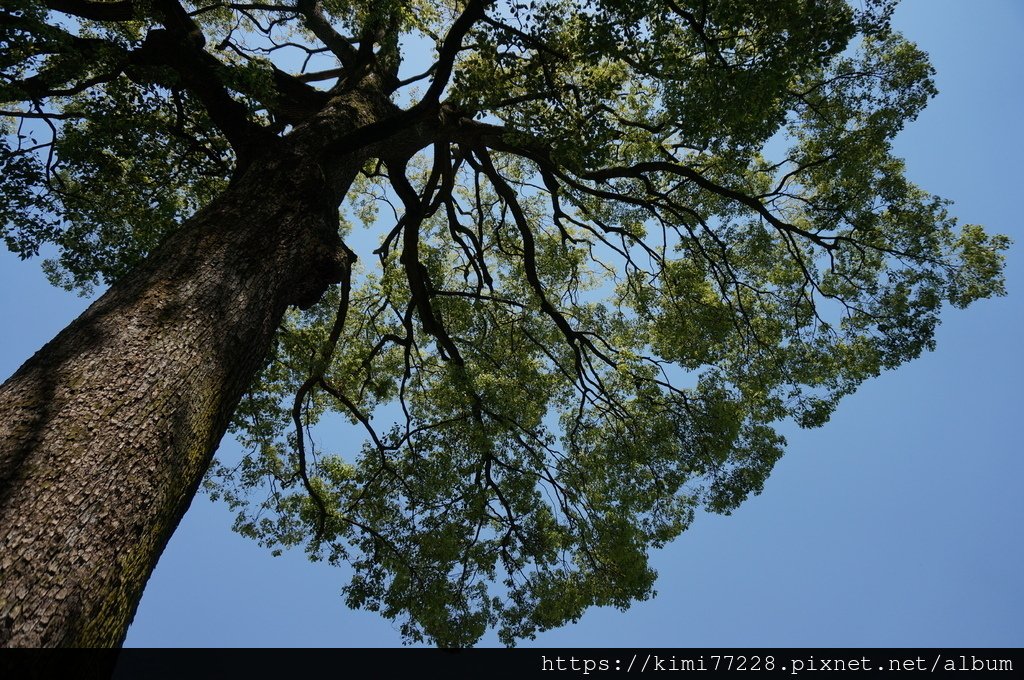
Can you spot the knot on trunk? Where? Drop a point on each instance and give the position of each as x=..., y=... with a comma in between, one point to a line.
x=327, y=266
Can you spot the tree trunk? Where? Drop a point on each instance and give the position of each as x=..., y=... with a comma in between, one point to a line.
x=106, y=432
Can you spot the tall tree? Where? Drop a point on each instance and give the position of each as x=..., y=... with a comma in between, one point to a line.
x=622, y=240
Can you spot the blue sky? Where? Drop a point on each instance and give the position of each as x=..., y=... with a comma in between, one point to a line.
x=896, y=524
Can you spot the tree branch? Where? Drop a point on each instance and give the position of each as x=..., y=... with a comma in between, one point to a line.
x=450, y=49
x=640, y=170
x=124, y=10
x=319, y=26
x=316, y=377
x=416, y=273
x=575, y=338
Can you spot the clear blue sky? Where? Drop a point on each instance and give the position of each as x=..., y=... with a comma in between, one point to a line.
x=897, y=524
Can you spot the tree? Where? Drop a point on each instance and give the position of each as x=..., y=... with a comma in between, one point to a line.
x=628, y=238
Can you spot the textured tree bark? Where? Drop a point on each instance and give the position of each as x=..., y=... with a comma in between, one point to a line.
x=106, y=432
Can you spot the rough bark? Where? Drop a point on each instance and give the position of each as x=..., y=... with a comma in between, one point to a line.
x=106, y=432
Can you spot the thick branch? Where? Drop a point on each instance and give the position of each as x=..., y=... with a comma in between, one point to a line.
x=296, y=101
x=319, y=26
x=96, y=11
x=450, y=49
x=201, y=73
x=416, y=273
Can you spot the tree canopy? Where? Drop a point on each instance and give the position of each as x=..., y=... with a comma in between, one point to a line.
x=615, y=244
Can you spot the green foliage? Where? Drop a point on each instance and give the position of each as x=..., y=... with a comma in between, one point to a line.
x=134, y=163
x=119, y=166
x=683, y=225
